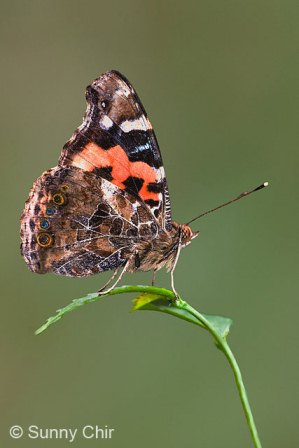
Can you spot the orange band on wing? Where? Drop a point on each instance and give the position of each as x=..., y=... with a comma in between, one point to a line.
x=90, y=157
x=93, y=156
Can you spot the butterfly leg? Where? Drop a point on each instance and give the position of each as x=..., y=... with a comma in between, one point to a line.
x=177, y=297
x=109, y=281
x=101, y=292
x=172, y=286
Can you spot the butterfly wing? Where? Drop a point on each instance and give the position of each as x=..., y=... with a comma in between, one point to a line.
x=76, y=223
x=116, y=141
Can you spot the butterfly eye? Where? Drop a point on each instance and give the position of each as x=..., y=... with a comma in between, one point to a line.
x=44, y=240
x=58, y=199
x=104, y=104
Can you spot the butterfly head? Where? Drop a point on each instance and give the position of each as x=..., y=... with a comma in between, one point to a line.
x=184, y=233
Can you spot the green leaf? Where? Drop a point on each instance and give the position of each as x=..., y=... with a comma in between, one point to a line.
x=153, y=299
x=180, y=309
x=76, y=303
x=89, y=298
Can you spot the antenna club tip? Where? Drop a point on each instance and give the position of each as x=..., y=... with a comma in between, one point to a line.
x=260, y=187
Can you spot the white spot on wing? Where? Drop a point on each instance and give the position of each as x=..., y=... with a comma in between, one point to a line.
x=108, y=190
x=161, y=172
x=134, y=125
x=123, y=91
x=106, y=122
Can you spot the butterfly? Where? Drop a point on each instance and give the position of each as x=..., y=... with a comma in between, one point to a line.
x=106, y=205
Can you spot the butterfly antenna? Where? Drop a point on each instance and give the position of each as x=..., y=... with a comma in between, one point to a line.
x=242, y=195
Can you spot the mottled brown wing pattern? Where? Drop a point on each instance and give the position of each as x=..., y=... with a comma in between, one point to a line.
x=117, y=142
x=76, y=223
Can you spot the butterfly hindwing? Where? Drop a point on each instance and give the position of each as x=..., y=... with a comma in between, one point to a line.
x=116, y=142
x=76, y=223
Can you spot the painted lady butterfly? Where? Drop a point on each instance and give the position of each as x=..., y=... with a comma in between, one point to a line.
x=106, y=205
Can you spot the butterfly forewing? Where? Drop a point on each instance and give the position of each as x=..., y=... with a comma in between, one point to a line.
x=116, y=141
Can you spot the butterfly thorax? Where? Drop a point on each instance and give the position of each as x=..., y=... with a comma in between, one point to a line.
x=161, y=251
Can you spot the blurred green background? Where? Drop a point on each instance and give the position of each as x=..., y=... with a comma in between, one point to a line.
x=219, y=80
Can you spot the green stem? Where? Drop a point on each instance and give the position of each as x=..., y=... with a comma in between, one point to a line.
x=172, y=304
x=223, y=345
x=142, y=288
